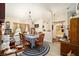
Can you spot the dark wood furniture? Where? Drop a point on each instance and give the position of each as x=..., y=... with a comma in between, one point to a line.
x=17, y=50
x=40, y=40
x=16, y=47
x=2, y=12
x=12, y=40
x=2, y=52
x=74, y=31
x=2, y=18
x=73, y=45
x=12, y=44
x=74, y=35
x=24, y=42
x=65, y=48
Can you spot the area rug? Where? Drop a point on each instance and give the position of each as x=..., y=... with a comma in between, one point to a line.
x=40, y=51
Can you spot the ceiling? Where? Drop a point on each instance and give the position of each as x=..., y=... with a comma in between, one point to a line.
x=38, y=10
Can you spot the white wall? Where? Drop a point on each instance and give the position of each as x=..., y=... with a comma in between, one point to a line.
x=40, y=14
x=40, y=22
x=16, y=21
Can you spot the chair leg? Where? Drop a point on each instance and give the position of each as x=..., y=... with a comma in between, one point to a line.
x=16, y=53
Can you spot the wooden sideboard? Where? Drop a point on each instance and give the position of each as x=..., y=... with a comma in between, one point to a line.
x=66, y=47
x=73, y=45
x=74, y=31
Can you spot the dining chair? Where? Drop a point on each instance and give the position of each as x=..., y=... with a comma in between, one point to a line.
x=12, y=42
x=2, y=52
x=23, y=40
x=40, y=40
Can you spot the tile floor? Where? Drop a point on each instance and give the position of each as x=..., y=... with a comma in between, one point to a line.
x=54, y=49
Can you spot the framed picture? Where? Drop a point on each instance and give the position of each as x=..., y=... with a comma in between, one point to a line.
x=43, y=26
x=36, y=25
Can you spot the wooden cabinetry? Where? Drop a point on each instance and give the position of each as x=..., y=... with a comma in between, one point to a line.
x=2, y=12
x=74, y=35
x=74, y=31
x=2, y=18
x=73, y=45
x=65, y=48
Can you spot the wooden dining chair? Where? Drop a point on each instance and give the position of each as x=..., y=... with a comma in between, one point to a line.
x=12, y=43
x=2, y=52
x=40, y=40
x=24, y=42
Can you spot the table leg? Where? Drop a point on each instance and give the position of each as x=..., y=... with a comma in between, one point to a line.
x=32, y=43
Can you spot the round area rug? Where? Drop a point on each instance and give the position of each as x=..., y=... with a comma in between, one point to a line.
x=40, y=51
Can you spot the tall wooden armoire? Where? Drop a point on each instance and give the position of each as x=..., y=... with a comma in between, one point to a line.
x=2, y=18
x=74, y=35
x=74, y=31
x=73, y=44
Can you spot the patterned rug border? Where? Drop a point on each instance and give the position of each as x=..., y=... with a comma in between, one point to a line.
x=45, y=47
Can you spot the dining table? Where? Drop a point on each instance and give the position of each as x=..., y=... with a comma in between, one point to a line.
x=32, y=39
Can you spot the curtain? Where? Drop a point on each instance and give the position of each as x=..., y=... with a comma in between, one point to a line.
x=14, y=27
x=27, y=27
x=23, y=27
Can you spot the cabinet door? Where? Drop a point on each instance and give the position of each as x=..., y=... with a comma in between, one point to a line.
x=78, y=33
x=73, y=30
x=73, y=37
x=65, y=48
x=73, y=24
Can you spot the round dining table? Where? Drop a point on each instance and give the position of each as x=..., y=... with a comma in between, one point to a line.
x=32, y=39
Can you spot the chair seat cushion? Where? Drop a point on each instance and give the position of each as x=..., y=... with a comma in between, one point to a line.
x=26, y=43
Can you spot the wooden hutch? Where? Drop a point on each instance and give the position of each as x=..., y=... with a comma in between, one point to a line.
x=2, y=18
x=73, y=45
